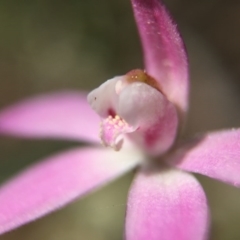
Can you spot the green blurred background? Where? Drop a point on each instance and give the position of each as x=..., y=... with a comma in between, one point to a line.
x=75, y=44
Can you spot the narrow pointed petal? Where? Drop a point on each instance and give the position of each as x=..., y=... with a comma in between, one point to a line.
x=58, y=180
x=166, y=205
x=165, y=56
x=64, y=115
x=216, y=155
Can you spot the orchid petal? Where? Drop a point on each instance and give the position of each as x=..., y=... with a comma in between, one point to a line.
x=216, y=155
x=166, y=205
x=64, y=115
x=165, y=56
x=58, y=180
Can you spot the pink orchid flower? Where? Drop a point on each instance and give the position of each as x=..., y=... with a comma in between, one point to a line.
x=141, y=114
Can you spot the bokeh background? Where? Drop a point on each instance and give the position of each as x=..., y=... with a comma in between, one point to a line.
x=48, y=45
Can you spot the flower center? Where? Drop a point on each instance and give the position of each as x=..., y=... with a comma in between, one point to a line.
x=111, y=128
x=133, y=105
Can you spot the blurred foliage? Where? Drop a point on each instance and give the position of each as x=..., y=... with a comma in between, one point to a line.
x=74, y=44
